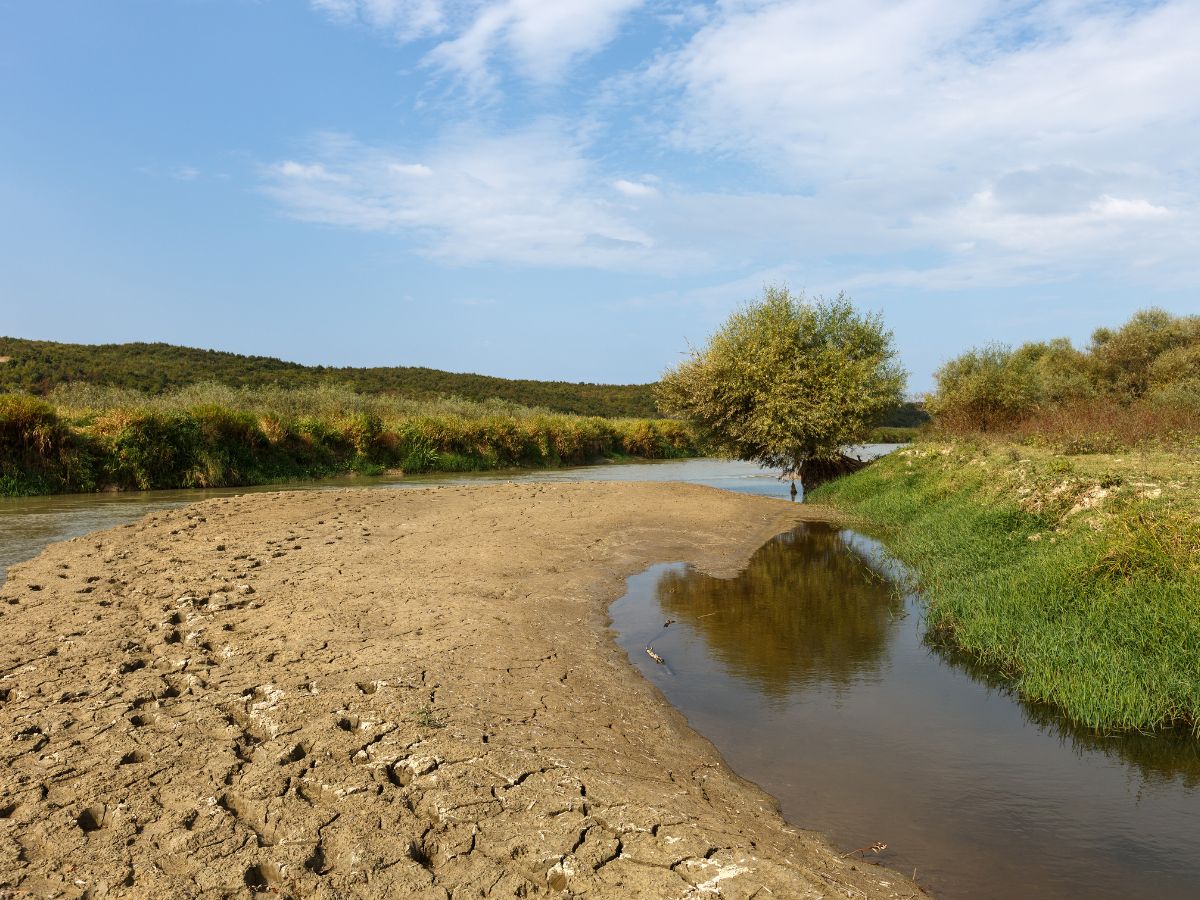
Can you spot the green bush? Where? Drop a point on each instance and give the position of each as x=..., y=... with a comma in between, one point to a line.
x=38, y=452
x=1137, y=383
x=147, y=449
x=985, y=388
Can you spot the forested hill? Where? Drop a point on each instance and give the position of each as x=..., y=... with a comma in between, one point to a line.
x=39, y=366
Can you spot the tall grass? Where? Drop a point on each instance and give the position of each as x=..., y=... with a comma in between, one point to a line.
x=87, y=438
x=1079, y=583
x=1098, y=426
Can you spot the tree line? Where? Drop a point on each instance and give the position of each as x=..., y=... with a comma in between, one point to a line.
x=38, y=367
x=1135, y=382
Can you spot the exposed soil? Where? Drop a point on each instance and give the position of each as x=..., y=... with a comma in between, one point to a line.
x=378, y=693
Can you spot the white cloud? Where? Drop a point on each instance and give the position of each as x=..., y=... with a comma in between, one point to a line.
x=413, y=170
x=1027, y=130
x=295, y=171
x=539, y=38
x=530, y=197
x=998, y=142
x=1136, y=208
x=635, y=188
x=405, y=20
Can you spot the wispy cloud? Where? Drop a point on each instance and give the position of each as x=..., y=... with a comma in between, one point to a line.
x=530, y=197
x=1028, y=130
x=536, y=38
x=938, y=143
x=404, y=20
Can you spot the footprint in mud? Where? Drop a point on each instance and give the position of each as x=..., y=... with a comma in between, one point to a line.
x=133, y=757
x=297, y=753
x=315, y=794
x=320, y=862
x=264, y=878
x=233, y=805
x=93, y=818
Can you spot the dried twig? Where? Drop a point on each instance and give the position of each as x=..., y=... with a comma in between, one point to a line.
x=877, y=847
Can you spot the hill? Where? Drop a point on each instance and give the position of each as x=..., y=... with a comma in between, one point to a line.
x=38, y=367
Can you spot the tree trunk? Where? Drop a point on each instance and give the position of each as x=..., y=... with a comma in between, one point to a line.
x=814, y=472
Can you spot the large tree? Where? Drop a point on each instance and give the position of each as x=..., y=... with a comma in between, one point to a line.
x=788, y=383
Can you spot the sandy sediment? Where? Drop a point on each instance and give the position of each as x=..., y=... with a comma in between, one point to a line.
x=378, y=694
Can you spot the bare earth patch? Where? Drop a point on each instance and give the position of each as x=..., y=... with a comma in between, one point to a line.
x=378, y=694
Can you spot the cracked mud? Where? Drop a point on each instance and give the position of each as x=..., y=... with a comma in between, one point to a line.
x=378, y=693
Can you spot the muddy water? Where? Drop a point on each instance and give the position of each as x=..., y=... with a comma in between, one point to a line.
x=810, y=674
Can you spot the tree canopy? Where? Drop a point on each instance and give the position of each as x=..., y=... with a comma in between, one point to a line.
x=787, y=381
x=1153, y=358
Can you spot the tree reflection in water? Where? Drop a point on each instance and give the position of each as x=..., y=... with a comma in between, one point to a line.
x=807, y=608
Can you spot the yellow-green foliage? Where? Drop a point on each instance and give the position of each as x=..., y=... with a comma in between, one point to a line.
x=1152, y=363
x=38, y=452
x=785, y=380
x=211, y=435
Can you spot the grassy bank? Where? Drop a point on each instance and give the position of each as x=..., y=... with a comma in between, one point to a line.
x=83, y=438
x=1076, y=577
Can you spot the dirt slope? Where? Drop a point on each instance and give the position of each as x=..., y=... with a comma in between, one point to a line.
x=378, y=694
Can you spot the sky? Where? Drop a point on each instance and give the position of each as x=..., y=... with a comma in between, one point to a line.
x=582, y=189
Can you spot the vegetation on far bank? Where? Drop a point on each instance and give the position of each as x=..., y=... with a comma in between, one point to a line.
x=38, y=367
x=83, y=438
x=1077, y=578
x=1136, y=384
x=41, y=367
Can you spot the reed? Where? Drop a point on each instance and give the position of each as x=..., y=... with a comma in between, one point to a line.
x=1077, y=579
x=87, y=438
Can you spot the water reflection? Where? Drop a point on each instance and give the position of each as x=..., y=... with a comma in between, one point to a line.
x=1163, y=757
x=804, y=609
x=812, y=674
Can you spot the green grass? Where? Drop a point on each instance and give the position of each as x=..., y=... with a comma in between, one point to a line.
x=1077, y=579
x=85, y=438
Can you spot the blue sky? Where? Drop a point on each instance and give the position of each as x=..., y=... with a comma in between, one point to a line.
x=577, y=189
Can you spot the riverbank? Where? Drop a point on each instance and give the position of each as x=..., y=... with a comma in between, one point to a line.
x=208, y=436
x=1075, y=578
x=364, y=693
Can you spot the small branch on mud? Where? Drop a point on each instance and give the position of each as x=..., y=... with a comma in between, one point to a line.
x=877, y=847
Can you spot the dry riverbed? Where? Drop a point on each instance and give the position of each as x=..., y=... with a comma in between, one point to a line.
x=378, y=694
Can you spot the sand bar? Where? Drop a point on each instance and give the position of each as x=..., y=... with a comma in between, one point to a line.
x=379, y=693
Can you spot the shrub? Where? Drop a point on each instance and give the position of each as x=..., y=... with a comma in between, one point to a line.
x=1138, y=383
x=148, y=449
x=985, y=388
x=38, y=452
